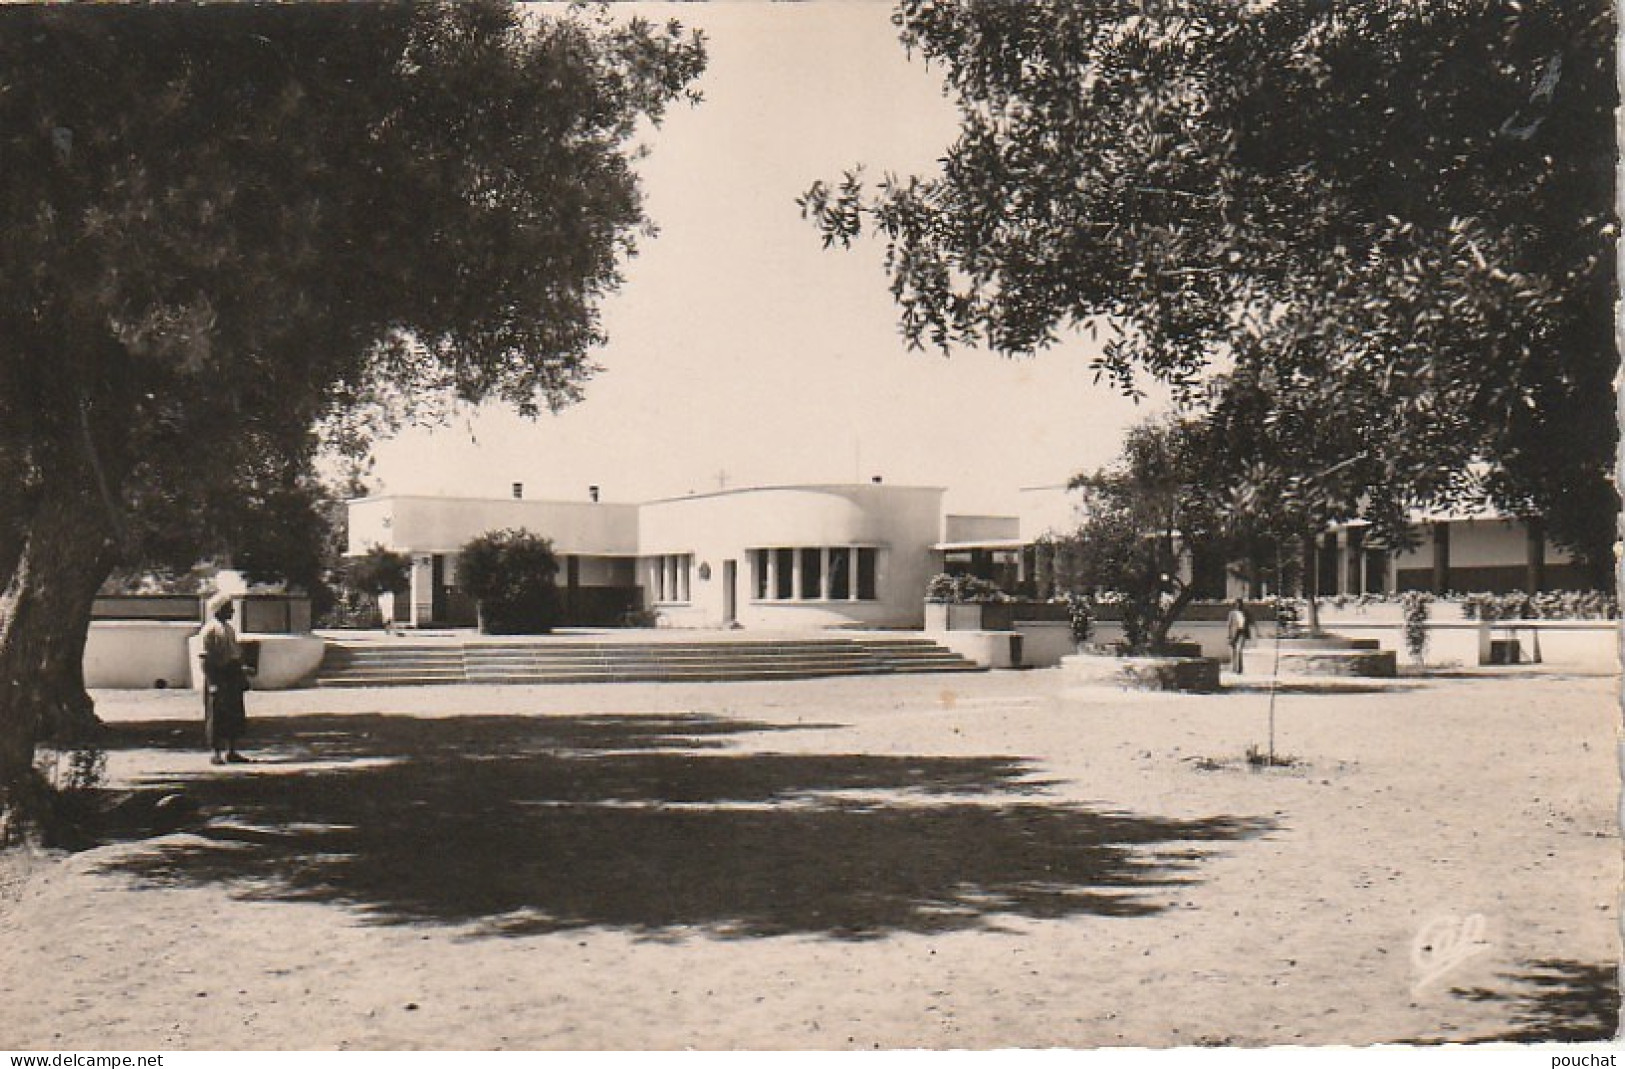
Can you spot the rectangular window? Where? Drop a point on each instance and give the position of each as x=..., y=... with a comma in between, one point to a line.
x=812, y=574
x=784, y=561
x=866, y=574
x=670, y=575
x=758, y=564
x=840, y=577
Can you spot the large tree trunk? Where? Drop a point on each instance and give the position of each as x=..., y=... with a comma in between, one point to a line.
x=1311, y=581
x=66, y=552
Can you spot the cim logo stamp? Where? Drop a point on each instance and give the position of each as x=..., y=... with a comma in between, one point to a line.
x=1444, y=943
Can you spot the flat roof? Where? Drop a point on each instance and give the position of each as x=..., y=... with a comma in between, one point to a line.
x=584, y=502
x=795, y=486
x=982, y=543
x=650, y=501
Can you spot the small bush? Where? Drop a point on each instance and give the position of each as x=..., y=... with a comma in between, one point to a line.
x=365, y=580
x=352, y=609
x=512, y=575
x=1416, y=606
x=1551, y=605
x=1137, y=622
x=948, y=589
x=1081, y=615
x=640, y=616
x=1288, y=615
x=72, y=767
x=1257, y=758
x=378, y=571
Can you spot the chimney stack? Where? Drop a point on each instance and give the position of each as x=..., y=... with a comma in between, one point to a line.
x=518, y=491
x=592, y=492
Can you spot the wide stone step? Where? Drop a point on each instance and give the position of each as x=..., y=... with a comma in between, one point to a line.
x=678, y=659
x=594, y=661
x=717, y=676
x=368, y=671
x=611, y=647
x=369, y=652
x=631, y=664
x=400, y=680
x=484, y=656
x=342, y=659
x=366, y=662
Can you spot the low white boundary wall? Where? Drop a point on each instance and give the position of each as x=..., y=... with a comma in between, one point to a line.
x=137, y=654
x=1590, y=645
x=1585, y=645
x=140, y=655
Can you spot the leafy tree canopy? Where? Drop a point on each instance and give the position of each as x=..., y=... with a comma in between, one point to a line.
x=1400, y=214
x=1145, y=520
x=228, y=226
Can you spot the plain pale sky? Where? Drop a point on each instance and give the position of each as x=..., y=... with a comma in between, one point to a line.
x=741, y=351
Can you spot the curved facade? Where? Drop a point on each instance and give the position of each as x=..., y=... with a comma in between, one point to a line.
x=791, y=557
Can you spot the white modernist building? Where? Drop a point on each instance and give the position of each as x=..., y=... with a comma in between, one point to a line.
x=855, y=554
x=774, y=557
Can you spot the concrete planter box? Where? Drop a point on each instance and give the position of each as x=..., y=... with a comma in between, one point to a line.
x=1198, y=675
x=969, y=616
x=1336, y=655
x=1044, y=642
x=1370, y=664
x=987, y=649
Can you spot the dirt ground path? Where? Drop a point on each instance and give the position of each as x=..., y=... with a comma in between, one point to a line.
x=968, y=861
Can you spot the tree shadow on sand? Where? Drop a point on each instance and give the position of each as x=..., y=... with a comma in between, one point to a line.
x=1555, y=1001
x=655, y=824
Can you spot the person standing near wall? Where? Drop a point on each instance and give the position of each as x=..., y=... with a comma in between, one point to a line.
x=1239, y=628
x=225, y=681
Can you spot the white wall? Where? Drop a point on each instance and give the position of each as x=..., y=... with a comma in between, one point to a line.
x=443, y=525
x=1486, y=543
x=980, y=528
x=901, y=522
x=285, y=661
x=134, y=655
x=371, y=523
x=1588, y=645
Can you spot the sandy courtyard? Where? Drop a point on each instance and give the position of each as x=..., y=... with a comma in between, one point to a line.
x=965, y=861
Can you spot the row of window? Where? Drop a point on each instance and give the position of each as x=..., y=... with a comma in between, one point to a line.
x=670, y=576
x=814, y=573
x=804, y=573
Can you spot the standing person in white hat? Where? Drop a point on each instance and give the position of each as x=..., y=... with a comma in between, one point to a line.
x=225, y=681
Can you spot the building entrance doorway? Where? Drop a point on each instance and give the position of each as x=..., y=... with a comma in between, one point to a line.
x=437, y=589
x=730, y=593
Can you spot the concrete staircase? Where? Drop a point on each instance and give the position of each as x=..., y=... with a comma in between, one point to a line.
x=568, y=660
